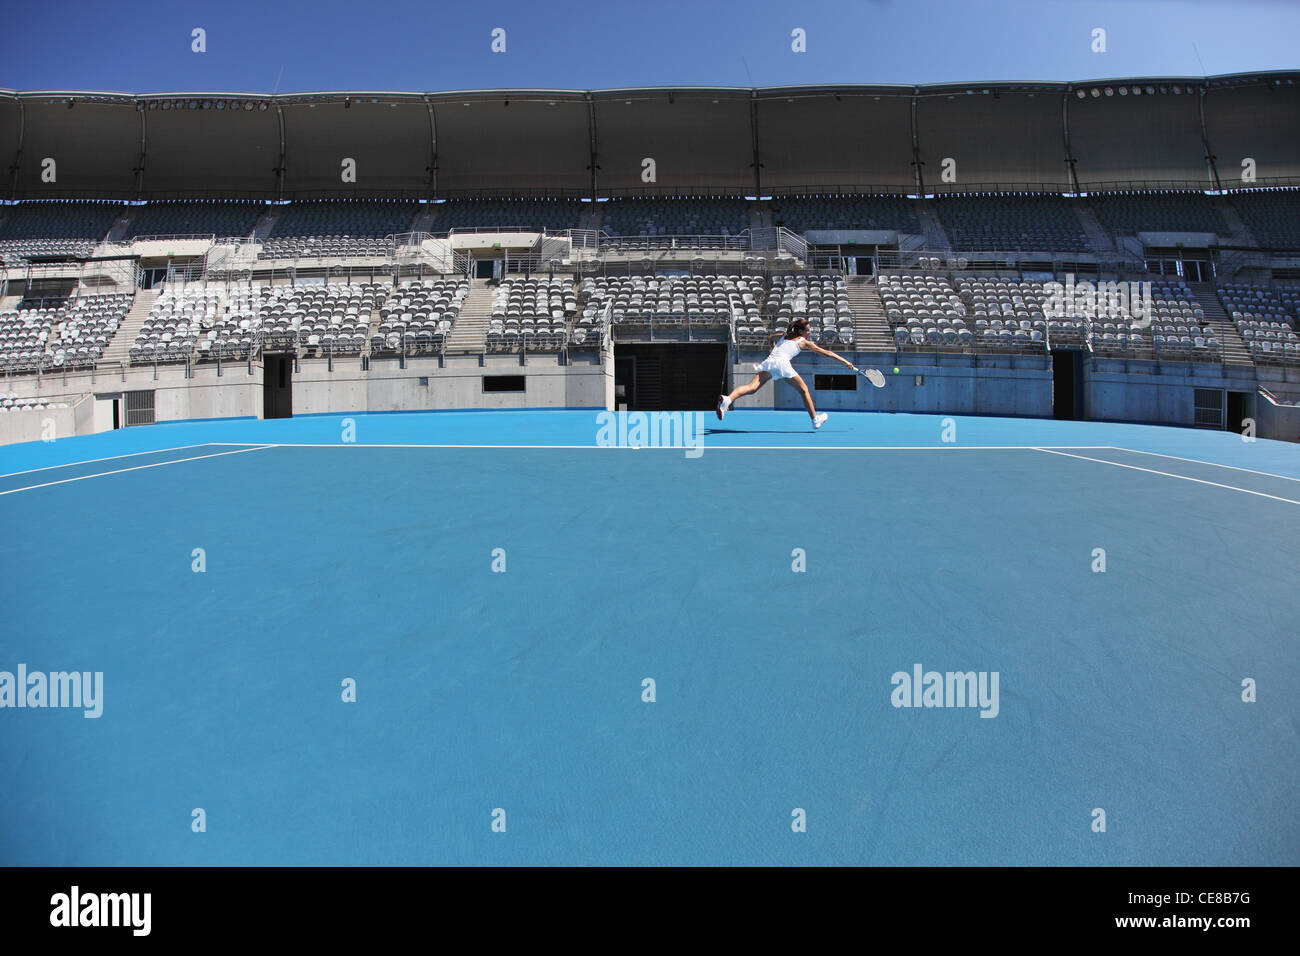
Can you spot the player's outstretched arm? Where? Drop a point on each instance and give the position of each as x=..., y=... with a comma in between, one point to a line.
x=813, y=347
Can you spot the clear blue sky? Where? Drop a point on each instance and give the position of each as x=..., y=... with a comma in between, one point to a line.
x=437, y=45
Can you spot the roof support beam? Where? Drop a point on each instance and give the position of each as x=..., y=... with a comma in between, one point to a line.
x=1065, y=133
x=432, y=168
x=144, y=149
x=594, y=164
x=18, y=155
x=279, y=168
x=916, y=148
x=1210, y=166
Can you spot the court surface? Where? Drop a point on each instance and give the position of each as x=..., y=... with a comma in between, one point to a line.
x=512, y=679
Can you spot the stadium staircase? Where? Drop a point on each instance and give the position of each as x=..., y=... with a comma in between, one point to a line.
x=119, y=347
x=592, y=218
x=760, y=217
x=936, y=239
x=1099, y=240
x=871, y=331
x=1233, y=345
x=1240, y=264
x=469, y=334
x=423, y=221
x=262, y=228
x=119, y=229
x=1240, y=234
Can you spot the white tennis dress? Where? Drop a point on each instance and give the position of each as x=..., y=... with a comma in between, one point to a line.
x=777, y=364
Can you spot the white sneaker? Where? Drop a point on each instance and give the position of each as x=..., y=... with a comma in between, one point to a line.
x=723, y=406
x=820, y=420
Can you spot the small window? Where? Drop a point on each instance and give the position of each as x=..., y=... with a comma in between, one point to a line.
x=503, y=383
x=835, y=383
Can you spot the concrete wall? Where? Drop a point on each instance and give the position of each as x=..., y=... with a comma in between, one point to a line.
x=45, y=424
x=458, y=383
x=237, y=393
x=997, y=385
x=1145, y=392
x=1280, y=422
x=1114, y=390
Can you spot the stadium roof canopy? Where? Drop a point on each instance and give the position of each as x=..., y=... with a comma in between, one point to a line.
x=1178, y=133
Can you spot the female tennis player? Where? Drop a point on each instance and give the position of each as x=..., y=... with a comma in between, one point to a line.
x=777, y=365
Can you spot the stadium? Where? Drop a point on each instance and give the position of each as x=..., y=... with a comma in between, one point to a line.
x=379, y=436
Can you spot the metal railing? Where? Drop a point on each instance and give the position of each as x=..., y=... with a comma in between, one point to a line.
x=125, y=244
x=984, y=261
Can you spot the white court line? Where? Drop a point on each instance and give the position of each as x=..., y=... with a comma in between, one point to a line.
x=130, y=454
x=703, y=446
x=1213, y=464
x=118, y=471
x=1167, y=474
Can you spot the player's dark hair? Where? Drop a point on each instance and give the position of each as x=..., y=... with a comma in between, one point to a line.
x=797, y=328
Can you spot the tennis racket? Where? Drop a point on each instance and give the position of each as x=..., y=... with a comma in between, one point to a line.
x=872, y=375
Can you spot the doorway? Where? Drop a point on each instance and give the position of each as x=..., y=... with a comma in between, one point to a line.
x=1241, y=405
x=277, y=386
x=1067, y=385
x=675, y=377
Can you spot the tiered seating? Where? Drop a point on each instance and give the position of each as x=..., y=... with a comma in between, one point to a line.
x=12, y=403
x=24, y=332
x=532, y=313
x=925, y=310
x=58, y=333
x=1005, y=313
x=553, y=215
x=998, y=314
x=234, y=331
x=54, y=228
x=418, y=316
x=171, y=331
x=1127, y=215
x=821, y=299
x=1177, y=326
x=206, y=324
x=85, y=329
x=321, y=319
x=1265, y=317
x=801, y=213
x=1289, y=296
x=338, y=229
x=673, y=300
x=1273, y=217
x=649, y=218
x=220, y=219
x=1011, y=223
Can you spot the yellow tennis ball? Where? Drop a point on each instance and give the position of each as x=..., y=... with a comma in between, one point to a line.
x=895, y=369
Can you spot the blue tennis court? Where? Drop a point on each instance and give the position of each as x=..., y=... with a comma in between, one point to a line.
x=500, y=586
